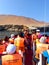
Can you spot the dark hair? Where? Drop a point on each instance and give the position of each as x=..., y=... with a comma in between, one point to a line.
x=29, y=34
x=45, y=35
x=6, y=38
x=34, y=31
x=21, y=34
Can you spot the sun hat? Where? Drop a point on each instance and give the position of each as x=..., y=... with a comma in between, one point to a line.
x=11, y=48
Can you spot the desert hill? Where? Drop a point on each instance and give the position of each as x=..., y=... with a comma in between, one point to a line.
x=19, y=20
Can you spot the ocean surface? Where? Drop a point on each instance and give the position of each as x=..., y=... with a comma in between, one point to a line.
x=45, y=33
x=8, y=33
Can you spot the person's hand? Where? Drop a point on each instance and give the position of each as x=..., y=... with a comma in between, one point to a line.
x=4, y=53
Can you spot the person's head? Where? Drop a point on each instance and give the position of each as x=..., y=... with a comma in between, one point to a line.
x=11, y=49
x=12, y=35
x=26, y=32
x=15, y=36
x=29, y=35
x=45, y=35
x=6, y=38
x=21, y=34
x=42, y=39
x=37, y=32
x=34, y=32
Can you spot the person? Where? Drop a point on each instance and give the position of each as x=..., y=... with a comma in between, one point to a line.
x=5, y=41
x=38, y=33
x=28, y=50
x=34, y=36
x=43, y=38
x=28, y=41
x=46, y=55
x=11, y=39
x=47, y=40
x=19, y=43
x=11, y=57
x=1, y=42
x=4, y=45
x=10, y=49
x=25, y=33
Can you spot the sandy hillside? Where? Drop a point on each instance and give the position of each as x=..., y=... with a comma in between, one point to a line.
x=19, y=20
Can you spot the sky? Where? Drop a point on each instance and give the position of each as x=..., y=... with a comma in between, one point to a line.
x=36, y=9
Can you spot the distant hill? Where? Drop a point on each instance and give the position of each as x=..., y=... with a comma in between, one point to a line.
x=20, y=20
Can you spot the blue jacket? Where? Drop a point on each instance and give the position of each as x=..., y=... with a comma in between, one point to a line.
x=45, y=54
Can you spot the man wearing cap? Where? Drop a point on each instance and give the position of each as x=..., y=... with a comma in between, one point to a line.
x=38, y=33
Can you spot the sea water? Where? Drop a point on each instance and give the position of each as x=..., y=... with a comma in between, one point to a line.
x=45, y=33
x=8, y=33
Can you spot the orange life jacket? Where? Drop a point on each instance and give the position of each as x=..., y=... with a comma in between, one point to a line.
x=2, y=48
x=19, y=42
x=14, y=59
x=11, y=40
x=40, y=48
x=47, y=64
x=47, y=40
x=34, y=37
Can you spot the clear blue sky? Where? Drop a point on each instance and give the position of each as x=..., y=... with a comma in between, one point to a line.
x=37, y=9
